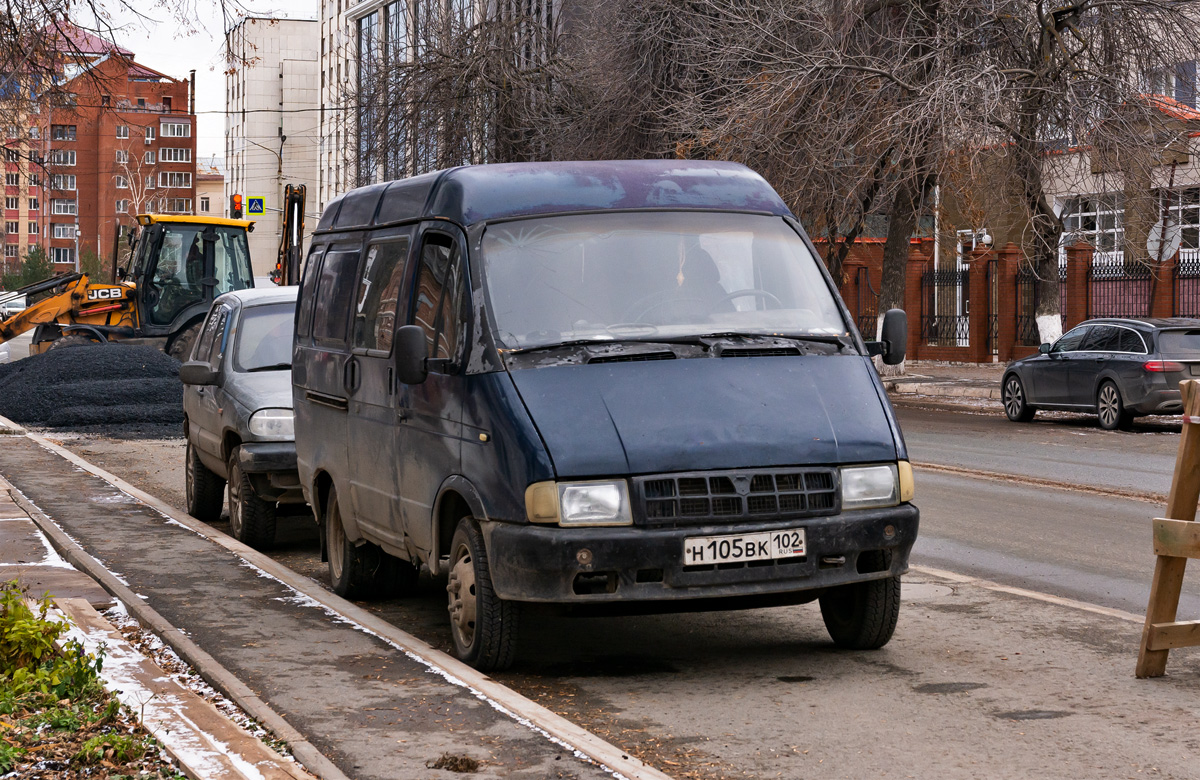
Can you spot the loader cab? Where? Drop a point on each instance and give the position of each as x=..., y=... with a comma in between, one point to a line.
x=180, y=264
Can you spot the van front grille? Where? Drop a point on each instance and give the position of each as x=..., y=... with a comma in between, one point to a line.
x=693, y=498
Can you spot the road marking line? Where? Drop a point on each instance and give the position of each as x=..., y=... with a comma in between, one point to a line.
x=1000, y=476
x=1049, y=598
x=502, y=698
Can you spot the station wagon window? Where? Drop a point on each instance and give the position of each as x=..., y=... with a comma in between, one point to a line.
x=308, y=293
x=209, y=347
x=1071, y=340
x=1176, y=341
x=335, y=288
x=1102, y=338
x=377, y=310
x=1131, y=341
x=439, y=296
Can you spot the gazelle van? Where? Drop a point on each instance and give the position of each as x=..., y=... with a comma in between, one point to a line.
x=605, y=383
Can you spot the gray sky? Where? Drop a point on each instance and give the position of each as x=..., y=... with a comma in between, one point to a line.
x=164, y=44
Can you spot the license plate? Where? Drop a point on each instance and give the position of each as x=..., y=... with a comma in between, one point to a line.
x=765, y=546
x=1194, y=369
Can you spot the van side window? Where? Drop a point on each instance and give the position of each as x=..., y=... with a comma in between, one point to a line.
x=335, y=291
x=439, y=296
x=308, y=292
x=376, y=312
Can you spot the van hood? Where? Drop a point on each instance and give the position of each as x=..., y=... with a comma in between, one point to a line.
x=707, y=413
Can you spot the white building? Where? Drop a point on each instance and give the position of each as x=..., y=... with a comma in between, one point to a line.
x=272, y=125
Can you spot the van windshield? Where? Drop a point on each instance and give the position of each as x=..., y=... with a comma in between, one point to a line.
x=642, y=276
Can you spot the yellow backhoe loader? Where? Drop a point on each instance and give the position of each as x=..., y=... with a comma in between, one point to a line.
x=159, y=297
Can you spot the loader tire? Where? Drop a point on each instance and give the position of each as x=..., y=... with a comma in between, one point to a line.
x=180, y=347
x=205, y=490
x=251, y=519
x=74, y=340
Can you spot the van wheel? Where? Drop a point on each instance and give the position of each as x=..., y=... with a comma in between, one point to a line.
x=362, y=571
x=251, y=519
x=205, y=491
x=863, y=615
x=483, y=625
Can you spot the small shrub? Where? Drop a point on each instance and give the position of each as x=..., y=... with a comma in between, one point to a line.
x=8, y=757
x=117, y=748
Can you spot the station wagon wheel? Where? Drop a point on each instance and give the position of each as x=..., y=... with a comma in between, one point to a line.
x=204, y=490
x=251, y=519
x=1016, y=405
x=1111, y=409
x=483, y=625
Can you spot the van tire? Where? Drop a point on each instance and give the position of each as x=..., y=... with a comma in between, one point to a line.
x=863, y=615
x=251, y=519
x=362, y=571
x=204, y=490
x=489, y=641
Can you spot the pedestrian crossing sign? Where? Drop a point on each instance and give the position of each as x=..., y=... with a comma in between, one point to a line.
x=256, y=206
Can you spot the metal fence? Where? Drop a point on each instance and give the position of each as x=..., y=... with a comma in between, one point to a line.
x=1027, y=303
x=1118, y=289
x=868, y=305
x=945, y=321
x=1186, y=295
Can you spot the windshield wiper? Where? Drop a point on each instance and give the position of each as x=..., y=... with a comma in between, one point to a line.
x=273, y=367
x=567, y=343
x=822, y=338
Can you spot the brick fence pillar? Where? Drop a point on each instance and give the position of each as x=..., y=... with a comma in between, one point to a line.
x=1162, y=288
x=979, y=296
x=850, y=292
x=1079, y=262
x=918, y=263
x=1008, y=266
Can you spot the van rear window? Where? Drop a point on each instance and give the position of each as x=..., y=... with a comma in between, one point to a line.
x=335, y=291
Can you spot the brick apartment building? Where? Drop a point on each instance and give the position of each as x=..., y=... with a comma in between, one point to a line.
x=120, y=142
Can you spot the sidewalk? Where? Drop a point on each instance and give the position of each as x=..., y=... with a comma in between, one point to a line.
x=957, y=381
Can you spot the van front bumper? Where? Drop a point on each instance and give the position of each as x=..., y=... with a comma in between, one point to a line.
x=637, y=563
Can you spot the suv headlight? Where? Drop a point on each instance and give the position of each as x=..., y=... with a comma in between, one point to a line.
x=579, y=503
x=866, y=487
x=274, y=424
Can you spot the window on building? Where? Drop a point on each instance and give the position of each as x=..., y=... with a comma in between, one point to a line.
x=123, y=206
x=33, y=204
x=64, y=157
x=10, y=251
x=62, y=132
x=12, y=228
x=122, y=182
x=171, y=154
x=122, y=131
x=204, y=204
x=62, y=206
x=12, y=155
x=141, y=103
x=1177, y=81
x=62, y=230
x=1095, y=219
x=35, y=133
x=175, y=179
x=149, y=135
x=176, y=129
x=12, y=203
x=62, y=181
x=177, y=205
x=34, y=228
x=148, y=158
x=12, y=180
x=35, y=180
x=63, y=254
x=122, y=156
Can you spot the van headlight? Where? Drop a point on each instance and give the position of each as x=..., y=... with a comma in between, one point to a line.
x=579, y=503
x=867, y=487
x=273, y=424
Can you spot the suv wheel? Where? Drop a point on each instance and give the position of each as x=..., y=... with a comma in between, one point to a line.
x=1016, y=405
x=483, y=625
x=1111, y=409
x=205, y=490
x=251, y=519
x=863, y=615
x=362, y=571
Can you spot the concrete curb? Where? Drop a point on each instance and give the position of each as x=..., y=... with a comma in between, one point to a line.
x=942, y=389
x=499, y=696
x=205, y=665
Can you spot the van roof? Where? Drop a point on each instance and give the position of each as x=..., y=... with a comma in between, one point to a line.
x=480, y=193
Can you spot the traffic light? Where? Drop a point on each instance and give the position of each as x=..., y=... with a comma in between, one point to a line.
x=235, y=206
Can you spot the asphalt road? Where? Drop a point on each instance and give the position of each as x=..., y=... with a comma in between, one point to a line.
x=1075, y=543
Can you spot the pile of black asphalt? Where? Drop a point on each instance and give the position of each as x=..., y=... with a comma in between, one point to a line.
x=108, y=389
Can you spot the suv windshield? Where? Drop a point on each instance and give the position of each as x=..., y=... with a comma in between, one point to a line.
x=652, y=275
x=264, y=338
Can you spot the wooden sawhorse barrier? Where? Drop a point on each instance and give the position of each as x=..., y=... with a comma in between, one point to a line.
x=1176, y=538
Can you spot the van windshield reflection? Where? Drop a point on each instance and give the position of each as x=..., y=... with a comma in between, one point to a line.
x=652, y=276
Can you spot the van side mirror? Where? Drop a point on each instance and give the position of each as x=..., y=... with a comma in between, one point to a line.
x=1044, y=349
x=895, y=338
x=195, y=372
x=410, y=354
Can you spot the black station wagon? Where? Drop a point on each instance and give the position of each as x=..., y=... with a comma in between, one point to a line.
x=1116, y=368
x=604, y=383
